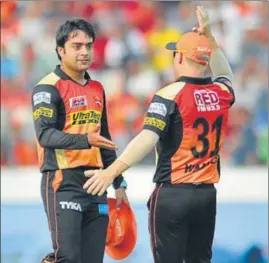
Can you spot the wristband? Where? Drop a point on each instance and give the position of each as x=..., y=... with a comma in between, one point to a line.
x=123, y=184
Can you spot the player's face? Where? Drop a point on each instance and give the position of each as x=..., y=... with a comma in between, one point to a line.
x=77, y=51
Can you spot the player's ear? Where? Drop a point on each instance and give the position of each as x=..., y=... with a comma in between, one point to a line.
x=180, y=58
x=60, y=51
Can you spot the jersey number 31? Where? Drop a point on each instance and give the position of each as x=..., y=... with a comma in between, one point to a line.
x=207, y=130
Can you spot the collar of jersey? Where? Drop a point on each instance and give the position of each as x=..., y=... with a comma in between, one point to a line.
x=192, y=80
x=64, y=76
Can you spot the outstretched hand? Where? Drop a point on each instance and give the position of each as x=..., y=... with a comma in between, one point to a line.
x=95, y=139
x=204, y=22
x=98, y=182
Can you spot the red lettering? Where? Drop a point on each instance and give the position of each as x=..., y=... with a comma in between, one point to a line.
x=206, y=98
x=213, y=97
x=198, y=98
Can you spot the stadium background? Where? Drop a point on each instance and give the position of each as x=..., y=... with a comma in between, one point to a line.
x=130, y=61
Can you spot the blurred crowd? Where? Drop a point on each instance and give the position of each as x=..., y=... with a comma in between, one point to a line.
x=132, y=64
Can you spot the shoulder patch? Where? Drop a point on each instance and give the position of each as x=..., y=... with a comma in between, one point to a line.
x=50, y=79
x=42, y=97
x=170, y=92
x=158, y=108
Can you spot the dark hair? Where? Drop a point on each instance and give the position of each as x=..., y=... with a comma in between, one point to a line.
x=64, y=31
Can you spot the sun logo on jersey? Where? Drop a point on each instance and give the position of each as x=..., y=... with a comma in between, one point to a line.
x=98, y=101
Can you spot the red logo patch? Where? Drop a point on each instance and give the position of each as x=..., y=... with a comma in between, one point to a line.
x=206, y=100
x=78, y=101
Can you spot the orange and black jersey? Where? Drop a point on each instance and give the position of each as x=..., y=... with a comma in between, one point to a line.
x=64, y=112
x=190, y=116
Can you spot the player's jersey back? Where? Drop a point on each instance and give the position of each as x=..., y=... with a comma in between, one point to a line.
x=191, y=117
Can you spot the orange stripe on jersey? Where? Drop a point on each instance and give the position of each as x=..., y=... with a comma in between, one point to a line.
x=90, y=157
x=61, y=159
x=40, y=153
x=58, y=178
x=83, y=125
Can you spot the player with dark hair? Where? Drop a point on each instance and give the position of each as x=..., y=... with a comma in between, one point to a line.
x=187, y=121
x=72, y=135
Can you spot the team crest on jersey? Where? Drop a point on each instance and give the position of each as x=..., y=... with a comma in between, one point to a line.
x=206, y=100
x=98, y=101
x=78, y=102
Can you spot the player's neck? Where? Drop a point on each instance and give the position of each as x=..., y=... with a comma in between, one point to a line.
x=79, y=77
x=190, y=73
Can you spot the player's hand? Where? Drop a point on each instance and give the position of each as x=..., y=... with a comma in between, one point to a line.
x=98, y=182
x=95, y=139
x=204, y=22
x=121, y=196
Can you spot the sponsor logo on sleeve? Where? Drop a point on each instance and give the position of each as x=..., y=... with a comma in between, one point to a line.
x=158, y=108
x=159, y=124
x=43, y=111
x=42, y=97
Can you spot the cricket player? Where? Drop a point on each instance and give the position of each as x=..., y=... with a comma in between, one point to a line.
x=72, y=135
x=186, y=121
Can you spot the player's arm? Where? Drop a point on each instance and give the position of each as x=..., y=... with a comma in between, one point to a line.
x=221, y=70
x=109, y=156
x=155, y=126
x=219, y=64
x=49, y=118
x=220, y=67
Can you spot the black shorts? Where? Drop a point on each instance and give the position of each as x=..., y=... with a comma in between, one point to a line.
x=77, y=221
x=182, y=223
